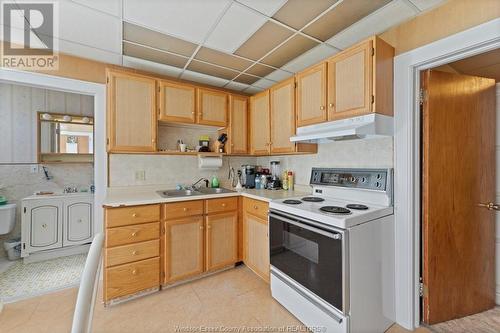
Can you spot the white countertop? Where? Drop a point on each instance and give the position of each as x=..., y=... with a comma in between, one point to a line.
x=58, y=195
x=139, y=195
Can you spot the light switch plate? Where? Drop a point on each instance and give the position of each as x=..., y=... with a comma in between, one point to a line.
x=34, y=168
x=140, y=175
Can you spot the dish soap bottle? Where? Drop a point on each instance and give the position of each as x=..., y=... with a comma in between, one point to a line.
x=214, y=182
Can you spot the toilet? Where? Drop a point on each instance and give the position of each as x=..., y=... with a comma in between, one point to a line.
x=7, y=218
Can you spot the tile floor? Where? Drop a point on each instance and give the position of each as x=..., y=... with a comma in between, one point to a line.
x=233, y=298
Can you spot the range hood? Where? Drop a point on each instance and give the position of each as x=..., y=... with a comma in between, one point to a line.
x=371, y=125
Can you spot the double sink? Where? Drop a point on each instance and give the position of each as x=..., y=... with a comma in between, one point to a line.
x=194, y=192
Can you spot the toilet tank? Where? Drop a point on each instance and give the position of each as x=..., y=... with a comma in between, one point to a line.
x=7, y=218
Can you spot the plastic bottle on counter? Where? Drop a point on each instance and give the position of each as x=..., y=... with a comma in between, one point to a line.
x=263, y=181
x=258, y=184
x=290, y=180
x=214, y=182
x=284, y=181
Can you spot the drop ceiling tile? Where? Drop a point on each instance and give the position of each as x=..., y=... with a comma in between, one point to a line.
x=296, y=15
x=247, y=79
x=222, y=59
x=427, y=4
x=204, y=68
x=377, y=22
x=316, y=55
x=235, y=27
x=150, y=66
x=203, y=78
x=187, y=19
x=264, y=83
x=260, y=70
x=113, y=7
x=84, y=51
x=290, y=50
x=264, y=40
x=143, y=52
x=253, y=90
x=266, y=7
x=342, y=16
x=144, y=36
x=279, y=75
x=236, y=86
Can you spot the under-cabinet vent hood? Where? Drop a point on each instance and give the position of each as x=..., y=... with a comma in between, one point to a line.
x=371, y=125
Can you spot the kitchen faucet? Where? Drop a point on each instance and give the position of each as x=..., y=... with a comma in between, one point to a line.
x=199, y=180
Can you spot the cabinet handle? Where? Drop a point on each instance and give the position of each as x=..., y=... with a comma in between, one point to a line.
x=134, y=215
x=232, y=144
x=44, y=225
x=201, y=227
x=321, y=107
x=134, y=253
x=331, y=105
x=223, y=205
x=192, y=112
x=134, y=272
x=255, y=207
x=209, y=226
x=134, y=234
x=79, y=221
x=185, y=209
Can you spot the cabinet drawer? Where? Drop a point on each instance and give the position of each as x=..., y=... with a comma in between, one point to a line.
x=221, y=205
x=256, y=207
x=132, y=234
x=132, y=252
x=130, y=278
x=116, y=217
x=177, y=210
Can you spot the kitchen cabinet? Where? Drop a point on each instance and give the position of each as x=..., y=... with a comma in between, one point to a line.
x=256, y=237
x=260, y=136
x=212, y=107
x=311, y=95
x=184, y=248
x=131, y=112
x=78, y=226
x=177, y=102
x=238, y=125
x=360, y=80
x=221, y=240
x=282, y=116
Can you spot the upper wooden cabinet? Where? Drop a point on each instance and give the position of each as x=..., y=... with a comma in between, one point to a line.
x=238, y=125
x=360, y=80
x=177, y=102
x=311, y=95
x=283, y=116
x=131, y=112
x=212, y=107
x=259, y=124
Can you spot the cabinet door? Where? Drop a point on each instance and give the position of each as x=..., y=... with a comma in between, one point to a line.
x=221, y=240
x=177, y=102
x=78, y=222
x=283, y=116
x=238, y=125
x=184, y=248
x=212, y=107
x=131, y=112
x=311, y=96
x=350, y=82
x=44, y=225
x=256, y=245
x=260, y=124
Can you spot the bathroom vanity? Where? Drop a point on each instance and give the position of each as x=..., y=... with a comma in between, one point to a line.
x=56, y=225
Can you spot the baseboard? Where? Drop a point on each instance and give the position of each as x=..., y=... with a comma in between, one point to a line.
x=56, y=253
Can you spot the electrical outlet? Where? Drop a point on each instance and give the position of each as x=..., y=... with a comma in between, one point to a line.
x=34, y=168
x=140, y=175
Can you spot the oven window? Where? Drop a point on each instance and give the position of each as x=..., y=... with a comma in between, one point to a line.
x=311, y=259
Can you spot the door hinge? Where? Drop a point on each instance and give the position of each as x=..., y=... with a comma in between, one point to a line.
x=24, y=210
x=24, y=246
x=107, y=141
x=373, y=99
x=373, y=51
x=163, y=230
x=422, y=290
x=295, y=84
x=107, y=79
x=422, y=96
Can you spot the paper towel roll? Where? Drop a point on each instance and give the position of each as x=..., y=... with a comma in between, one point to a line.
x=209, y=162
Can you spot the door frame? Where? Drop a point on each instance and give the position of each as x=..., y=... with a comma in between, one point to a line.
x=96, y=90
x=407, y=67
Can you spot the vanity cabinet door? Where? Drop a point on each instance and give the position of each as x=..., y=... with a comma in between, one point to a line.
x=43, y=225
x=256, y=244
x=78, y=222
x=221, y=240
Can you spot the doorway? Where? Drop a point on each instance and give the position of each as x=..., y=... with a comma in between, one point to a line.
x=458, y=110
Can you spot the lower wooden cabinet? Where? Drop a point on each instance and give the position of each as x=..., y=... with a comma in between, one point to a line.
x=221, y=240
x=184, y=248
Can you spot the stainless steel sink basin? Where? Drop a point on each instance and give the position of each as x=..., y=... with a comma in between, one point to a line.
x=209, y=190
x=178, y=193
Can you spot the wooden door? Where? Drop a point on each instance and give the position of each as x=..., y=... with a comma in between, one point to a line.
x=458, y=175
x=78, y=222
x=350, y=82
x=221, y=240
x=283, y=116
x=212, y=107
x=311, y=95
x=238, y=124
x=177, y=102
x=184, y=248
x=131, y=112
x=260, y=124
x=256, y=244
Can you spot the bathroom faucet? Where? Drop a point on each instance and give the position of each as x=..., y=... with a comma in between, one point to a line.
x=46, y=172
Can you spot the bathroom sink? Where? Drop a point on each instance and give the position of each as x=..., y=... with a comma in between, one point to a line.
x=218, y=190
x=178, y=193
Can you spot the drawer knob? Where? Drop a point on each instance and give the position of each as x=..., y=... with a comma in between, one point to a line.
x=255, y=207
x=134, y=234
x=79, y=220
x=134, y=253
x=185, y=209
x=223, y=205
x=201, y=227
x=134, y=272
x=321, y=107
x=331, y=105
x=134, y=215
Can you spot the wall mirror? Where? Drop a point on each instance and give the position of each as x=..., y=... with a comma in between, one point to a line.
x=65, y=138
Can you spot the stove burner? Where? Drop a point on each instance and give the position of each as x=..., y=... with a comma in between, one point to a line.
x=335, y=210
x=313, y=199
x=357, y=206
x=292, y=202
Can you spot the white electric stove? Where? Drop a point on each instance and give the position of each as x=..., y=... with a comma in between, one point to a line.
x=332, y=253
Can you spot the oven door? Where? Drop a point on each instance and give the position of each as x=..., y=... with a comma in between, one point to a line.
x=311, y=254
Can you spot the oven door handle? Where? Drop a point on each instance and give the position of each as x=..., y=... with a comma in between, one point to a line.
x=334, y=235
